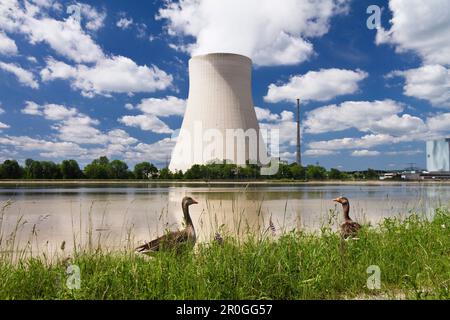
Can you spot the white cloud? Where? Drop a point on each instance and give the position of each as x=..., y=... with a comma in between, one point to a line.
x=7, y=45
x=429, y=82
x=367, y=141
x=32, y=59
x=116, y=74
x=163, y=107
x=147, y=122
x=94, y=19
x=159, y=151
x=53, y=112
x=439, y=123
x=32, y=108
x=153, y=109
x=66, y=37
x=366, y=116
x=265, y=30
x=319, y=152
x=95, y=73
x=404, y=152
x=420, y=26
x=76, y=127
x=3, y=125
x=286, y=125
x=1, y=110
x=124, y=23
x=365, y=153
x=25, y=77
x=58, y=112
x=321, y=85
x=48, y=148
x=265, y=114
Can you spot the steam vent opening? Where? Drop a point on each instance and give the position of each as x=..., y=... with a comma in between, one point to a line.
x=220, y=122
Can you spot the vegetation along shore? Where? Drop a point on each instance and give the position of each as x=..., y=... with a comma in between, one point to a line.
x=405, y=258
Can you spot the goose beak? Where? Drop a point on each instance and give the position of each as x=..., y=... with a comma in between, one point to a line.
x=194, y=202
x=337, y=200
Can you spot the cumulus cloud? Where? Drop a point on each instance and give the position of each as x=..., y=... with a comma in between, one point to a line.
x=429, y=82
x=7, y=45
x=439, y=123
x=47, y=148
x=94, y=71
x=265, y=114
x=116, y=74
x=159, y=151
x=436, y=127
x=365, y=142
x=366, y=116
x=66, y=37
x=25, y=77
x=124, y=23
x=365, y=153
x=32, y=108
x=319, y=152
x=268, y=32
x=321, y=85
x=420, y=26
x=153, y=109
x=77, y=135
x=3, y=125
x=147, y=122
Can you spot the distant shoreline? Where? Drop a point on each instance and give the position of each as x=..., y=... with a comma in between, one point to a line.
x=216, y=182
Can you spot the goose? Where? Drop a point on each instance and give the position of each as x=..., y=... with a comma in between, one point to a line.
x=175, y=239
x=349, y=228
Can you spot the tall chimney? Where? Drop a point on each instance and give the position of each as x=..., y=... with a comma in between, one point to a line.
x=299, y=155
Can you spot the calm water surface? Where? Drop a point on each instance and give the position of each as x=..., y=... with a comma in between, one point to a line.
x=125, y=215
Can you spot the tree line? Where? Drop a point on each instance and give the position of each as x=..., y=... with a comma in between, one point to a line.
x=103, y=168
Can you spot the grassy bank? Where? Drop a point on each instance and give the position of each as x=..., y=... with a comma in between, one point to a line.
x=413, y=256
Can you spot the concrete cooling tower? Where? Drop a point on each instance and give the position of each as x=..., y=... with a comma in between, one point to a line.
x=220, y=120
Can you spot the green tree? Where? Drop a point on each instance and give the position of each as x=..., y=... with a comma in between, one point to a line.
x=145, y=170
x=33, y=169
x=97, y=169
x=372, y=174
x=117, y=170
x=165, y=174
x=10, y=169
x=335, y=174
x=71, y=170
x=297, y=172
x=50, y=170
x=316, y=172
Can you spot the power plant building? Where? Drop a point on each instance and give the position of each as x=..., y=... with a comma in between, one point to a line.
x=220, y=122
x=438, y=155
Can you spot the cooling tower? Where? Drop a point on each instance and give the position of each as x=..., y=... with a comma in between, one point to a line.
x=219, y=105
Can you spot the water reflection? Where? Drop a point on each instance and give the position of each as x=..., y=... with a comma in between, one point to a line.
x=120, y=216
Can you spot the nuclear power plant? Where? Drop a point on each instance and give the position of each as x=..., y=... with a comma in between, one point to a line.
x=220, y=121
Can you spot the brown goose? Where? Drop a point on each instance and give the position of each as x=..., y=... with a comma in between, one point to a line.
x=176, y=239
x=349, y=228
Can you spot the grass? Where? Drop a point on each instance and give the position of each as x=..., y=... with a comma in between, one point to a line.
x=413, y=255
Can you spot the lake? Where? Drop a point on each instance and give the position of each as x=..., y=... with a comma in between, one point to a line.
x=117, y=216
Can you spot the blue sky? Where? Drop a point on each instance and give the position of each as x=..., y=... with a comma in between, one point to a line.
x=84, y=79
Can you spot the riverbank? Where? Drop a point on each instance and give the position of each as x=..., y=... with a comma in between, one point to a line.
x=396, y=259
x=218, y=182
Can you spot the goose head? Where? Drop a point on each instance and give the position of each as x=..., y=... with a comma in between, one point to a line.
x=187, y=201
x=342, y=200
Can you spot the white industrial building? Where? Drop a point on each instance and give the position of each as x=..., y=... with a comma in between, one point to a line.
x=438, y=155
x=219, y=106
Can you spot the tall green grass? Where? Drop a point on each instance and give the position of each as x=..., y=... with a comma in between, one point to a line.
x=413, y=255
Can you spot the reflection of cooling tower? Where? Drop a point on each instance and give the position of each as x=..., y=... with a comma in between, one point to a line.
x=220, y=99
